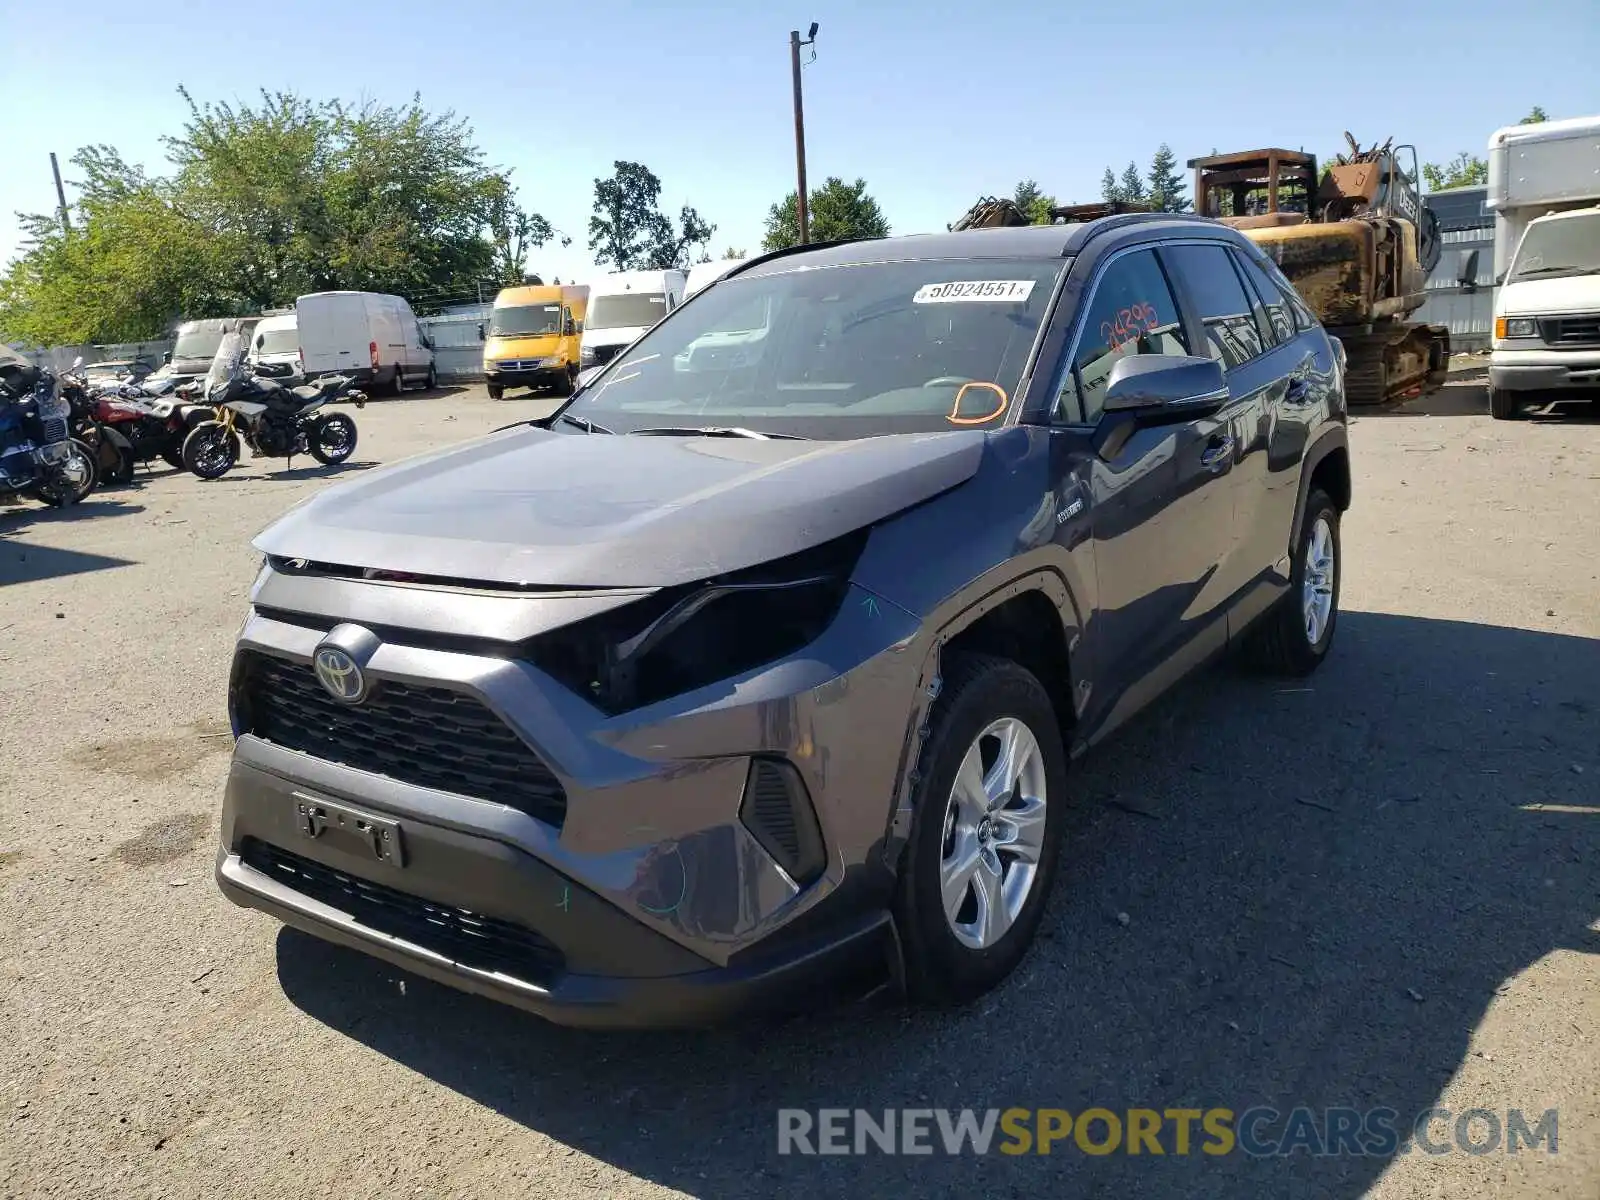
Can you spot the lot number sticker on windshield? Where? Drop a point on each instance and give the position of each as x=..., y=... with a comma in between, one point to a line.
x=1013, y=290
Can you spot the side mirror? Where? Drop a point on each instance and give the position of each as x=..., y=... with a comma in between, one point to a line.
x=480, y=331
x=166, y=356
x=76, y=363
x=1467, y=274
x=1500, y=279
x=570, y=328
x=1155, y=388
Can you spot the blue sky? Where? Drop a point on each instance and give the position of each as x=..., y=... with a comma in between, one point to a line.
x=933, y=104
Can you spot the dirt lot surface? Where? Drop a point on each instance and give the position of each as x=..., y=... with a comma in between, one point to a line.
x=1380, y=888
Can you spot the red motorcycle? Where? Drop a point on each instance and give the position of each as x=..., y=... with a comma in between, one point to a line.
x=129, y=425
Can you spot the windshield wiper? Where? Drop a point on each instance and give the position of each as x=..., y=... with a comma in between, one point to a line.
x=718, y=431
x=584, y=424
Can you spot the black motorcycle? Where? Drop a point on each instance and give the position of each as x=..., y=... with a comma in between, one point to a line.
x=274, y=421
x=38, y=456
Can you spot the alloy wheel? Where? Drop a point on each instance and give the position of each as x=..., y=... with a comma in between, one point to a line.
x=994, y=829
x=1316, y=589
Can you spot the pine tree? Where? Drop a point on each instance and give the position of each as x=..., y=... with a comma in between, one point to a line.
x=1026, y=193
x=1109, y=191
x=1166, y=182
x=1131, y=184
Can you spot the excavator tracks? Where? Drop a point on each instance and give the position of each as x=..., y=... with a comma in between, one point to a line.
x=1408, y=361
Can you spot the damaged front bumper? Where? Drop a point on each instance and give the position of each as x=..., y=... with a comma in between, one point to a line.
x=654, y=892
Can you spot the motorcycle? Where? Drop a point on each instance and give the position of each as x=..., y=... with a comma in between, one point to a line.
x=128, y=424
x=38, y=457
x=274, y=421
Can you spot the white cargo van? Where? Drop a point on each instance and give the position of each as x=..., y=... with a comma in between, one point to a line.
x=374, y=337
x=703, y=274
x=1544, y=190
x=622, y=307
x=275, y=350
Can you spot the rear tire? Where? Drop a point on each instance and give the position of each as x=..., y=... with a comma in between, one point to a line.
x=433, y=377
x=211, y=450
x=398, y=386
x=1295, y=636
x=1504, y=405
x=968, y=843
x=332, y=439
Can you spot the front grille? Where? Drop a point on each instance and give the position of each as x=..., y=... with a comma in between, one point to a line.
x=465, y=937
x=1581, y=330
x=604, y=354
x=521, y=364
x=432, y=737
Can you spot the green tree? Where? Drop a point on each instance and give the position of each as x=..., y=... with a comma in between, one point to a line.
x=1537, y=116
x=838, y=211
x=263, y=202
x=730, y=252
x=1131, y=185
x=513, y=230
x=1026, y=195
x=630, y=232
x=1110, y=192
x=1463, y=170
x=1166, y=182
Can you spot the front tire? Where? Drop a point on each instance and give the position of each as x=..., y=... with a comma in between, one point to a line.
x=211, y=450
x=977, y=869
x=333, y=439
x=73, y=480
x=496, y=391
x=1503, y=404
x=433, y=377
x=1296, y=635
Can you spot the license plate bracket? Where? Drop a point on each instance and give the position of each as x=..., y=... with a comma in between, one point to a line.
x=352, y=830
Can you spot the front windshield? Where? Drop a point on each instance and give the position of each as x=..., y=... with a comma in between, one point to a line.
x=525, y=320
x=278, y=341
x=836, y=353
x=631, y=310
x=226, y=363
x=1564, y=246
x=197, y=341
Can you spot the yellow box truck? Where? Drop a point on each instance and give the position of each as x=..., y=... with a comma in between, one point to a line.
x=532, y=338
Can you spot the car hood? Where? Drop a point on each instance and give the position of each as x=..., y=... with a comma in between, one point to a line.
x=1550, y=297
x=572, y=510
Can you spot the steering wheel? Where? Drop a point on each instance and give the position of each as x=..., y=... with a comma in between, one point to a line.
x=948, y=381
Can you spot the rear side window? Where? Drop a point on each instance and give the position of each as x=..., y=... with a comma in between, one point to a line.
x=1279, y=319
x=1222, y=303
x=1132, y=311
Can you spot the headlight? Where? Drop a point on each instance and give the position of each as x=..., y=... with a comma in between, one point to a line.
x=686, y=637
x=1515, y=327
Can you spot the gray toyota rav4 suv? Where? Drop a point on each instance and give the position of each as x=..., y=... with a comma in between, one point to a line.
x=759, y=665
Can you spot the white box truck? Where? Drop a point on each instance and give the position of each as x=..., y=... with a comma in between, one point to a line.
x=622, y=306
x=373, y=337
x=1544, y=191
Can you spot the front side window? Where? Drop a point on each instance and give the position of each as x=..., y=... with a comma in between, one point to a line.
x=1218, y=293
x=629, y=310
x=835, y=352
x=1132, y=312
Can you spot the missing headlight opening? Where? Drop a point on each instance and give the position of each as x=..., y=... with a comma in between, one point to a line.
x=685, y=637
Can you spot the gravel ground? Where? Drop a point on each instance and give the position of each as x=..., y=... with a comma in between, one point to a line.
x=1377, y=889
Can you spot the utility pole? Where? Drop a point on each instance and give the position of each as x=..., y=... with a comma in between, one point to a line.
x=61, y=194
x=801, y=202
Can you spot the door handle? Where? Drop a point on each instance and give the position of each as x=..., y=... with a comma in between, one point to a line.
x=1218, y=454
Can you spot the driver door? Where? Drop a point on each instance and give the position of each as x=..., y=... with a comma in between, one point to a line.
x=1154, y=501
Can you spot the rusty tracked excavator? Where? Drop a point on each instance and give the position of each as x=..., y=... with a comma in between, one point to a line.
x=1356, y=241
x=1000, y=213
